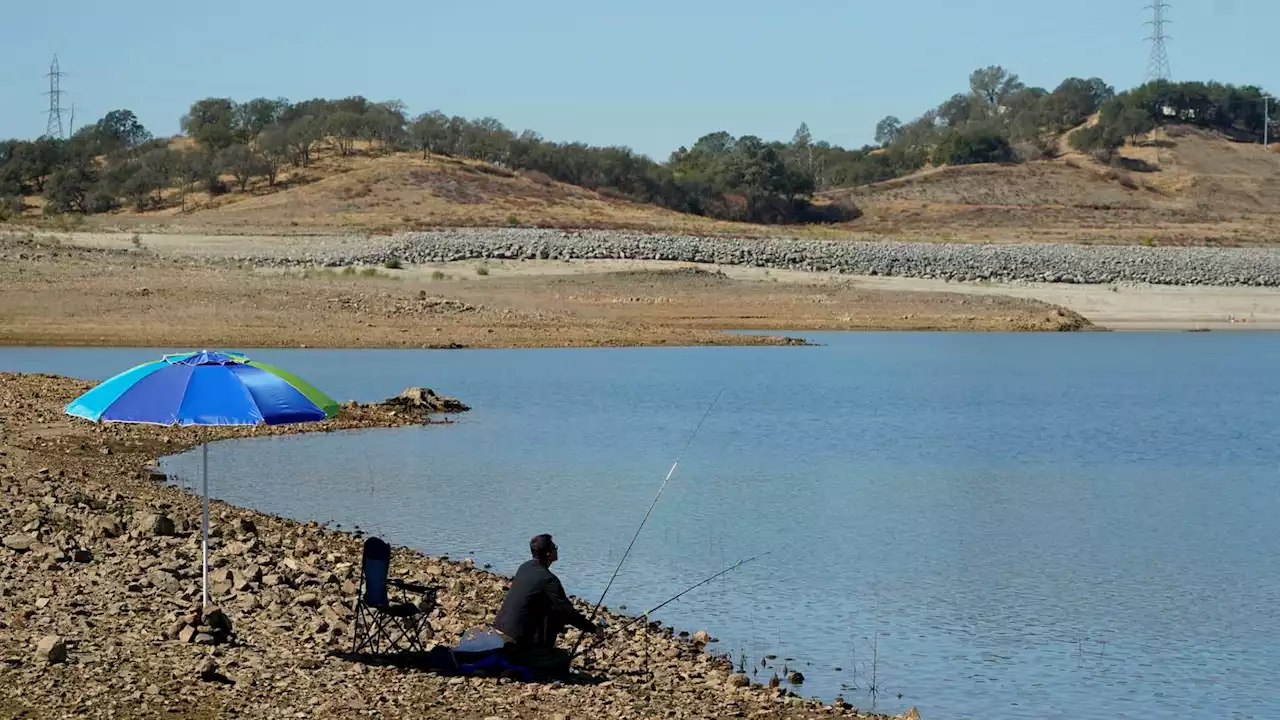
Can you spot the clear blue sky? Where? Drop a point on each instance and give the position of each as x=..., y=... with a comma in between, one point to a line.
x=652, y=75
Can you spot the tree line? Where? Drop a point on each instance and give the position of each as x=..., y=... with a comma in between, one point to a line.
x=116, y=161
x=1238, y=112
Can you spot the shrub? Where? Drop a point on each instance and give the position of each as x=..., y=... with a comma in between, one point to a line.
x=393, y=264
x=1099, y=141
x=970, y=146
x=513, y=220
x=482, y=270
x=10, y=207
x=437, y=275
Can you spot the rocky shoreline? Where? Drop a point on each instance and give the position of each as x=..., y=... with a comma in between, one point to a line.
x=1088, y=264
x=99, y=571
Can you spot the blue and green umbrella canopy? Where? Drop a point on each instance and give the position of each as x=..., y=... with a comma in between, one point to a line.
x=204, y=388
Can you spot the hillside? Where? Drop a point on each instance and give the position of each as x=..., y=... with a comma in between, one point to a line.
x=1179, y=185
x=382, y=193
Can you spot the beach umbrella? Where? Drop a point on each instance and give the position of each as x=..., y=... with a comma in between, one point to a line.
x=204, y=388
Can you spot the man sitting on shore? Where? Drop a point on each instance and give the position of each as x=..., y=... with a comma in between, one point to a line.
x=534, y=613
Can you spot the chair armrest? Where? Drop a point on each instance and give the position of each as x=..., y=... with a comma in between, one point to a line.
x=413, y=587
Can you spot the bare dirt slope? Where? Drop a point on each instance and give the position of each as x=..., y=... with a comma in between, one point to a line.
x=383, y=193
x=1182, y=185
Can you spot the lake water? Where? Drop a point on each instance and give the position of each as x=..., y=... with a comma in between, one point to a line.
x=995, y=526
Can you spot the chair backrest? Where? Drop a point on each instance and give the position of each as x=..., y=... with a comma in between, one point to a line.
x=374, y=566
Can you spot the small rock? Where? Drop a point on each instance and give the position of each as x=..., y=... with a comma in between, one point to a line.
x=911, y=714
x=207, y=669
x=21, y=543
x=162, y=580
x=81, y=556
x=236, y=547
x=175, y=630
x=51, y=649
x=796, y=677
x=187, y=633
x=245, y=526
x=154, y=524
x=738, y=680
x=106, y=527
x=206, y=639
x=216, y=619
x=307, y=600
x=701, y=637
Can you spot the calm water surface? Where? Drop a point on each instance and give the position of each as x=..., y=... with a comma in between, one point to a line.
x=994, y=526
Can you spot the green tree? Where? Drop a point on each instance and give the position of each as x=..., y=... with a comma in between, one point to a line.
x=158, y=167
x=430, y=132
x=190, y=166
x=117, y=131
x=888, y=130
x=384, y=124
x=343, y=127
x=993, y=84
x=241, y=162
x=802, y=149
x=256, y=115
x=36, y=161
x=10, y=177
x=144, y=188
x=1074, y=101
x=302, y=136
x=959, y=110
x=273, y=149
x=211, y=122
x=68, y=188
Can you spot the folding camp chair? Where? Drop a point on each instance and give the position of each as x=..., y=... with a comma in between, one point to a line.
x=382, y=626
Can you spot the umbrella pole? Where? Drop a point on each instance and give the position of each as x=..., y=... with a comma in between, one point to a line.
x=204, y=528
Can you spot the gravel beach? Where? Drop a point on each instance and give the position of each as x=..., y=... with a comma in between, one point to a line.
x=99, y=571
x=1095, y=264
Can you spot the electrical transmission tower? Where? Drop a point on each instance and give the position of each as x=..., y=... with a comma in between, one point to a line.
x=55, y=100
x=1158, y=65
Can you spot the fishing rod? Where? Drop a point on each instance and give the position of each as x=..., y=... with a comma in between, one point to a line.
x=644, y=520
x=695, y=586
x=691, y=588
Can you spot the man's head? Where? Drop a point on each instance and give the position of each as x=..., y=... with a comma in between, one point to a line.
x=543, y=549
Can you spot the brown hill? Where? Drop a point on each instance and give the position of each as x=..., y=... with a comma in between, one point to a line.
x=1181, y=185
x=388, y=193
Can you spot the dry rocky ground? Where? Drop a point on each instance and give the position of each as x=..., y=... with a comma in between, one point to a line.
x=54, y=293
x=99, y=574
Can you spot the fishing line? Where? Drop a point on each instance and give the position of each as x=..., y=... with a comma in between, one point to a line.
x=691, y=588
x=648, y=512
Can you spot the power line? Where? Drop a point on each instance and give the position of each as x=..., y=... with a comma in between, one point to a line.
x=55, y=101
x=1158, y=64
